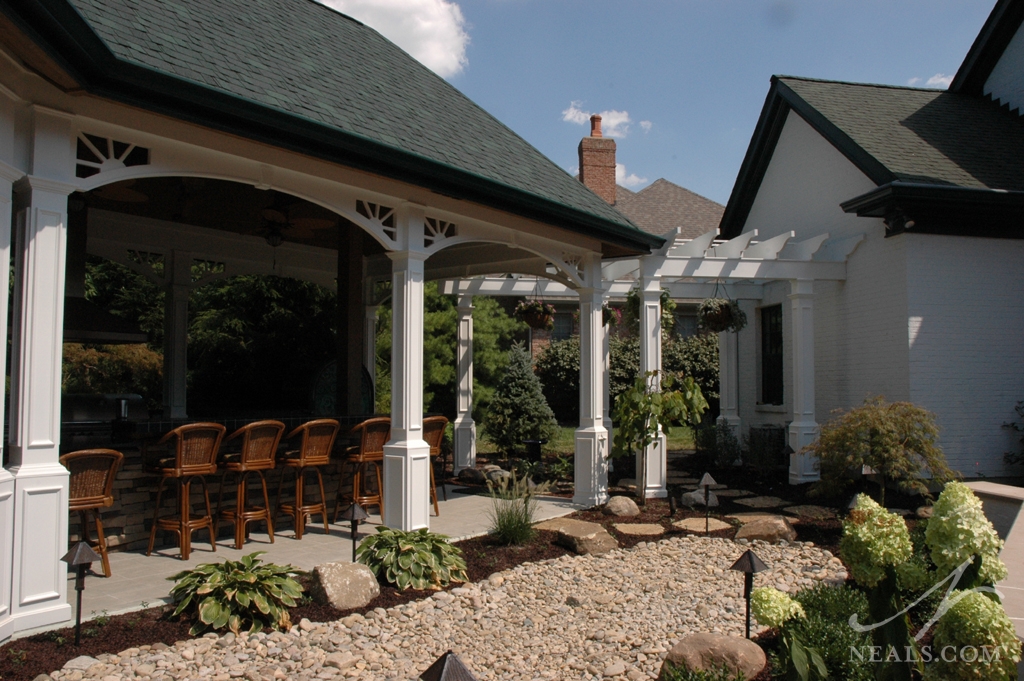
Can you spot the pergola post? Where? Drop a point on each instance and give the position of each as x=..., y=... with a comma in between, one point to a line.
x=650, y=360
x=178, y=283
x=803, y=429
x=591, y=459
x=38, y=578
x=606, y=394
x=407, y=455
x=465, y=427
x=728, y=381
x=8, y=175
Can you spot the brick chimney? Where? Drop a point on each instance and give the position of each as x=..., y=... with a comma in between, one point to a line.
x=597, y=162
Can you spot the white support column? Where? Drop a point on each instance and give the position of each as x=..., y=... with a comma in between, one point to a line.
x=178, y=283
x=465, y=427
x=650, y=360
x=606, y=395
x=591, y=459
x=407, y=455
x=370, y=345
x=728, y=381
x=39, y=579
x=802, y=431
x=8, y=175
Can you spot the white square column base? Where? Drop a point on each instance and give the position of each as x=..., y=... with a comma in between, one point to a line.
x=591, y=466
x=407, y=485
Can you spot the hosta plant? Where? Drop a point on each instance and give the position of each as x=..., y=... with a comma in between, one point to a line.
x=239, y=595
x=417, y=559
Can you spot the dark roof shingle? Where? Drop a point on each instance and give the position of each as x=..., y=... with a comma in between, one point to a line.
x=662, y=206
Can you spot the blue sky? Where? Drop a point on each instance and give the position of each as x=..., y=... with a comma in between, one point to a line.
x=686, y=78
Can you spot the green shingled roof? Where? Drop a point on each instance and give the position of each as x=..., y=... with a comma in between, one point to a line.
x=305, y=60
x=923, y=136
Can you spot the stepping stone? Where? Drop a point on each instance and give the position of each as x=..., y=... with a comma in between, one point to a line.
x=688, y=481
x=697, y=524
x=639, y=529
x=811, y=512
x=763, y=502
x=580, y=536
x=729, y=493
x=744, y=518
x=627, y=483
x=771, y=530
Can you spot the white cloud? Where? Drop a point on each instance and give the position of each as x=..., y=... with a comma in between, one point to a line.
x=939, y=80
x=646, y=125
x=913, y=81
x=432, y=31
x=613, y=123
x=630, y=180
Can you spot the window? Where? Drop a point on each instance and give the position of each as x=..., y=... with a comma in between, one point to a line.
x=686, y=324
x=563, y=326
x=771, y=355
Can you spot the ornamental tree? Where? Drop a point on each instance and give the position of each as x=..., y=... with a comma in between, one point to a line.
x=518, y=411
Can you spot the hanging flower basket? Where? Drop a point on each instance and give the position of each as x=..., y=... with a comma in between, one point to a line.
x=720, y=314
x=537, y=314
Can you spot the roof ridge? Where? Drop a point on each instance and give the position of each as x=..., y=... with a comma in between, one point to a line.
x=887, y=86
x=678, y=186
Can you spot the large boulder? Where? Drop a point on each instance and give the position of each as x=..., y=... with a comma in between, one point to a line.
x=345, y=585
x=707, y=652
x=696, y=498
x=472, y=476
x=623, y=507
x=582, y=537
x=771, y=529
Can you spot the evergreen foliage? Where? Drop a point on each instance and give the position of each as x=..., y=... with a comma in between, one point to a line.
x=518, y=410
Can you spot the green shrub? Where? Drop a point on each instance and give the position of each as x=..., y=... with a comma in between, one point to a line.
x=672, y=672
x=897, y=440
x=558, y=368
x=975, y=623
x=417, y=559
x=513, y=506
x=519, y=411
x=695, y=356
x=826, y=628
x=715, y=445
x=237, y=594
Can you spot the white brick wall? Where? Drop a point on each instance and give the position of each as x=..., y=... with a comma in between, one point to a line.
x=966, y=343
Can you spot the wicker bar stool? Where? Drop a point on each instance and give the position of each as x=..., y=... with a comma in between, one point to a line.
x=433, y=433
x=259, y=449
x=195, y=456
x=314, y=451
x=91, y=488
x=373, y=434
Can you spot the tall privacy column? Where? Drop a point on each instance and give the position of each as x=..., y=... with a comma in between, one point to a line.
x=39, y=595
x=728, y=381
x=407, y=455
x=177, y=284
x=8, y=175
x=591, y=460
x=803, y=429
x=650, y=360
x=465, y=428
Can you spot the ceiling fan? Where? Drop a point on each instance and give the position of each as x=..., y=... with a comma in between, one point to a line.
x=298, y=220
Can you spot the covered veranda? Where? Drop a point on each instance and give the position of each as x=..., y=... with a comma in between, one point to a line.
x=409, y=183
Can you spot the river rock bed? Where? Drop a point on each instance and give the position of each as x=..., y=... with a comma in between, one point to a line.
x=580, y=617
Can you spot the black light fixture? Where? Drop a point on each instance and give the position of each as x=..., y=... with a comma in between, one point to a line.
x=706, y=483
x=274, y=238
x=448, y=667
x=749, y=564
x=80, y=557
x=353, y=513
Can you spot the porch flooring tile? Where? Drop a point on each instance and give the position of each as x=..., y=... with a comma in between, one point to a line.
x=137, y=578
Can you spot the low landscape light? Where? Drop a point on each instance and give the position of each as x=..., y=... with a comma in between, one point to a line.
x=353, y=513
x=749, y=564
x=706, y=482
x=80, y=557
x=448, y=667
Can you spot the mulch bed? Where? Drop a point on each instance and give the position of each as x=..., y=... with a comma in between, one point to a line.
x=28, y=657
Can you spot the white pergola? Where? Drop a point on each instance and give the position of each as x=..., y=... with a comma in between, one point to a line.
x=690, y=269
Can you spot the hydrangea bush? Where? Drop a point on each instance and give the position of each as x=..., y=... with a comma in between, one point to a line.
x=974, y=640
x=772, y=608
x=873, y=539
x=959, y=530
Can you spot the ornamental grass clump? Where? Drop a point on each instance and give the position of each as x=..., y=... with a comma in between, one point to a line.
x=958, y=531
x=513, y=506
x=417, y=559
x=974, y=639
x=238, y=595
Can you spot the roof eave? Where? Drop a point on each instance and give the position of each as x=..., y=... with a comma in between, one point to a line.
x=61, y=31
x=942, y=209
x=1000, y=27
x=780, y=100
